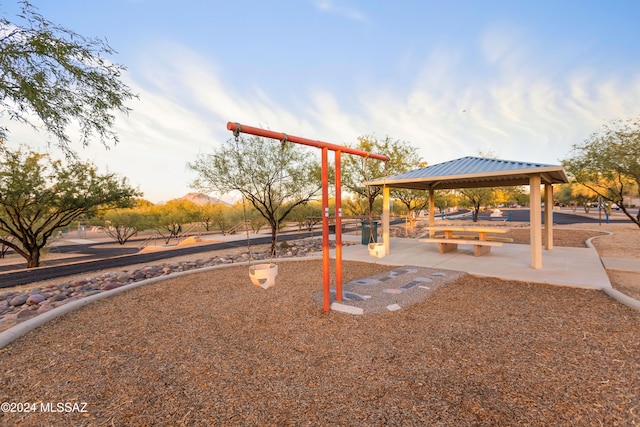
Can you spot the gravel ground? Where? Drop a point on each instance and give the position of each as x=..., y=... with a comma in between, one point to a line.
x=210, y=349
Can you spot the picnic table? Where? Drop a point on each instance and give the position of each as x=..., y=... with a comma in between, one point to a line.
x=449, y=237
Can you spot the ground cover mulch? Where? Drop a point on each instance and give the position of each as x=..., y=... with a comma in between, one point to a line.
x=210, y=349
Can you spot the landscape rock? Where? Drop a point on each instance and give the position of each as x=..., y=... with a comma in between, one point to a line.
x=57, y=297
x=25, y=313
x=18, y=300
x=44, y=308
x=123, y=278
x=110, y=285
x=35, y=299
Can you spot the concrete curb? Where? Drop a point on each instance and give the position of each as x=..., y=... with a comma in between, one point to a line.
x=622, y=298
x=15, y=332
x=615, y=294
x=590, y=245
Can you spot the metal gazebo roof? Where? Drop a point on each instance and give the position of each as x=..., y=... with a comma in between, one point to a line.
x=473, y=172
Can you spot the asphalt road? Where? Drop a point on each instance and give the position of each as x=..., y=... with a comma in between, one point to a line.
x=562, y=218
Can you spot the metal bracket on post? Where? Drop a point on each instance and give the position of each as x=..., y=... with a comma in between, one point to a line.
x=236, y=131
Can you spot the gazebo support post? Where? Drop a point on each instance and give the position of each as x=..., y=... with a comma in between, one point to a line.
x=548, y=216
x=432, y=212
x=386, y=216
x=535, y=221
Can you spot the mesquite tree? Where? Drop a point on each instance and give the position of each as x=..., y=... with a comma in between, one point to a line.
x=38, y=196
x=356, y=170
x=52, y=77
x=273, y=177
x=608, y=163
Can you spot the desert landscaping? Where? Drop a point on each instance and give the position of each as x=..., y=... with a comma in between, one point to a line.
x=208, y=348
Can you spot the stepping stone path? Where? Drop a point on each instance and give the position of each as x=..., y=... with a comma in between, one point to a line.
x=391, y=291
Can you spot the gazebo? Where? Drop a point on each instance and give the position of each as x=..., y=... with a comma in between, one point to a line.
x=478, y=172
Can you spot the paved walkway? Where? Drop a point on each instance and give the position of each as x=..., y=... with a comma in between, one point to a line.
x=576, y=267
x=622, y=264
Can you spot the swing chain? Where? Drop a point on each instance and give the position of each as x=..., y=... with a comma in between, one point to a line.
x=365, y=166
x=237, y=130
x=246, y=229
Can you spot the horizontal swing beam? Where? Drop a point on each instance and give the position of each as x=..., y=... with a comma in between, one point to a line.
x=237, y=127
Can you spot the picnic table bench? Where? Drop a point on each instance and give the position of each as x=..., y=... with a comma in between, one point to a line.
x=451, y=237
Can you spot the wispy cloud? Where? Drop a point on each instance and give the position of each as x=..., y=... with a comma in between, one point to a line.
x=328, y=6
x=517, y=111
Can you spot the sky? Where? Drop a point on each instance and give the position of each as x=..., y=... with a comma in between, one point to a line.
x=523, y=80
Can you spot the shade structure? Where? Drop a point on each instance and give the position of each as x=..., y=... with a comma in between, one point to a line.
x=479, y=172
x=473, y=172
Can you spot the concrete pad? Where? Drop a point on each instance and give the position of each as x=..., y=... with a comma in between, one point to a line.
x=336, y=306
x=622, y=264
x=576, y=267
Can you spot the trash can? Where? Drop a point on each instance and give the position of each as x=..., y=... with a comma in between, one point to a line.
x=369, y=232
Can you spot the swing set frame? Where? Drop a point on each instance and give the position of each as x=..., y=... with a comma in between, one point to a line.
x=238, y=128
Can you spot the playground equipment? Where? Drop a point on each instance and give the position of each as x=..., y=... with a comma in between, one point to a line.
x=264, y=274
x=238, y=128
x=376, y=249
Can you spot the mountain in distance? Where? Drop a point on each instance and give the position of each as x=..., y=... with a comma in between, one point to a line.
x=202, y=199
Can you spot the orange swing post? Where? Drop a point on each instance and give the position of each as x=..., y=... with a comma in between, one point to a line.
x=338, y=228
x=325, y=146
x=326, y=264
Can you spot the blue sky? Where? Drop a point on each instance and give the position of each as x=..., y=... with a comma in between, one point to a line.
x=523, y=79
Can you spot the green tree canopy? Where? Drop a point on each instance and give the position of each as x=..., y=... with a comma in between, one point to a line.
x=39, y=195
x=215, y=214
x=356, y=170
x=413, y=200
x=608, y=162
x=307, y=215
x=476, y=198
x=168, y=219
x=123, y=224
x=61, y=78
x=273, y=177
